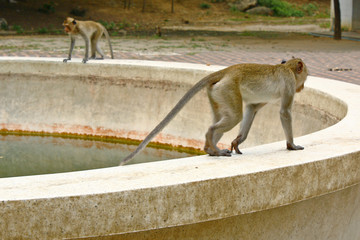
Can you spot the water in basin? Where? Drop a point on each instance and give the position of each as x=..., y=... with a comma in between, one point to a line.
x=33, y=155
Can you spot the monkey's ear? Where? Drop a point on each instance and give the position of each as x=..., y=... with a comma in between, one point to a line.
x=74, y=22
x=299, y=67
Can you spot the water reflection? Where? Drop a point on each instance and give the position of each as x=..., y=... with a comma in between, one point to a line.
x=33, y=155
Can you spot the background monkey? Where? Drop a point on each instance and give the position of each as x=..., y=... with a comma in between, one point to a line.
x=91, y=32
x=253, y=84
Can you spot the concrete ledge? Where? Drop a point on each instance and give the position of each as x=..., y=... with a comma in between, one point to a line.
x=251, y=195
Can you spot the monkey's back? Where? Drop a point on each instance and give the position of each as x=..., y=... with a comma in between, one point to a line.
x=256, y=83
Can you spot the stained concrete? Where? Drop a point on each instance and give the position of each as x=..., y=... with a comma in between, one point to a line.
x=309, y=194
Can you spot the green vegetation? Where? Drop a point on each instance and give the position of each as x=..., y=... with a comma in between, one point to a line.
x=325, y=25
x=310, y=9
x=49, y=30
x=47, y=8
x=234, y=9
x=285, y=9
x=112, y=27
x=205, y=6
x=260, y=34
x=281, y=8
x=18, y=29
x=9, y=48
x=4, y=26
x=43, y=30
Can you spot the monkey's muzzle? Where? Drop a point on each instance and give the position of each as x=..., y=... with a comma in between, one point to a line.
x=67, y=29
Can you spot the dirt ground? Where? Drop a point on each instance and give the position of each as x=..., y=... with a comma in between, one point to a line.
x=190, y=34
x=170, y=45
x=32, y=15
x=181, y=35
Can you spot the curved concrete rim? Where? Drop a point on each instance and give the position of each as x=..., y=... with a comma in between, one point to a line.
x=329, y=163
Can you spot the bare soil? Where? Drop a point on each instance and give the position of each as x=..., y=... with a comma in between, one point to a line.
x=30, y=15
x=172, y=45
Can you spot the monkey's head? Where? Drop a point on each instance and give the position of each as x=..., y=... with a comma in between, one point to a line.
x=69, y=25
x=300, y=70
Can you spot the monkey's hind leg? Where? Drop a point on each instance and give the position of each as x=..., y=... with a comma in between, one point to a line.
x=98, y=49
x=226, y=105
x=214, y=134
x=93, y=54
x=95, y=47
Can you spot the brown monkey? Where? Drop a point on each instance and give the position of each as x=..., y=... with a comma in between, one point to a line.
x=91, y=32
x=254, y=84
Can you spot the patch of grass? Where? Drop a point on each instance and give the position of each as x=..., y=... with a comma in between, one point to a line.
x=4, y=26
x=169, y=47
x=234, y=9
x=199, y=40
x=137, y=26
x=281, y=8
x=195, y=45
x=325, y=14
x=18, y=29
x=310, y=9
x=33, y=46
x=8, y=47
x=112, y=26
x=325, y=25
x=43, y=30
x=260, y=34
x=122, y=25
x=205, y=6
x=108, y=25
x=155, y=36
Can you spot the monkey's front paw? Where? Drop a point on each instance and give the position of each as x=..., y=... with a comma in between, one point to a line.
x=290, y=146
x=66, y=59
x=235, y=147
x=84, y=60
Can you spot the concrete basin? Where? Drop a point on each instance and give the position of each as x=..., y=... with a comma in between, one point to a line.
x=265, y=193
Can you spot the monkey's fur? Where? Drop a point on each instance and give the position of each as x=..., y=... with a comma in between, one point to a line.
x=253, y=84
x=91, y=32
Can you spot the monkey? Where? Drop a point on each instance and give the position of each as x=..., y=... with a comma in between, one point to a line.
x=227, y=89
x=158, y=31
x=91, y=32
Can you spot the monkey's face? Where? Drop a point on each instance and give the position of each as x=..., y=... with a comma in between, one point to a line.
x=67, y=28
x=69, y=25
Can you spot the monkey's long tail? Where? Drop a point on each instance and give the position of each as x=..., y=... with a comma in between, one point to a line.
x=210, y=79
x=108, y=39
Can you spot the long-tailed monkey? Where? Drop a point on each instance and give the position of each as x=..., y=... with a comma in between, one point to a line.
x=254, y=84
x=91, y=32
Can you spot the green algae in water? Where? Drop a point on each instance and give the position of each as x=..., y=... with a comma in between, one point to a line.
x=34, y=155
